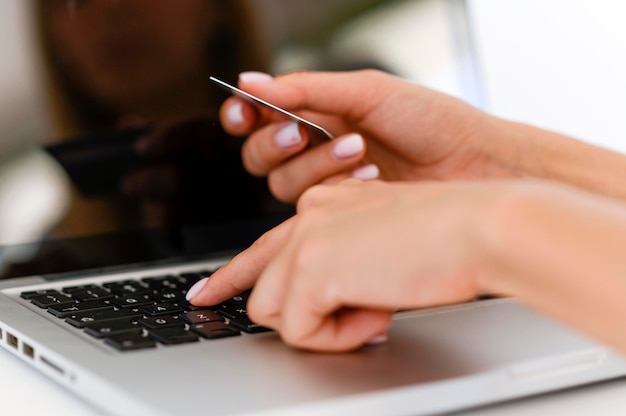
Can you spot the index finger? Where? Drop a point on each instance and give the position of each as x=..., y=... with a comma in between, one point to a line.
x=243, y=270
x=337, y=93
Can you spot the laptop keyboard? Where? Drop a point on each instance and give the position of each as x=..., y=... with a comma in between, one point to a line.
x=136, y=314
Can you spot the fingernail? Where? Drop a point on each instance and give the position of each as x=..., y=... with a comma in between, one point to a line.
x=366, y=173
x=196, y=288
x=234, y=114
x=288, y=136
x=255, y=77
x=378, y=339
x=348, y=146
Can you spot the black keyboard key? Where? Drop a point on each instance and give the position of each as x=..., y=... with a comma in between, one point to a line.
x=130, y=341
x=168, y=295
x=246, y=325
x=64, y=310
x=161, y=322
x=161, y=309
x=236, y=301
x=197, y=317
x=188, y=307
x=214, y=330
x=169, y=282
x=82, y=319
x=108, y=328
x=170, y=336
x=70, y=289
x=91, y=294
x=232, y=312
x=32, y=293
x=129, y=287
x=43, y=301
x=132, y=301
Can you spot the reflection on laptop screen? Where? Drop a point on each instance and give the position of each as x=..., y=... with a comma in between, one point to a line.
x=111, y=151
x=131, y=164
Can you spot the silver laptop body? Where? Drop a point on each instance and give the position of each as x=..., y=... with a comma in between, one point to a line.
x=436, y=361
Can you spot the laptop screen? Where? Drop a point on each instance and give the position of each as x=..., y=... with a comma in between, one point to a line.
x=111, y=152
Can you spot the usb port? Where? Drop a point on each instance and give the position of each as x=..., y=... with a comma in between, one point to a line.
x=28, y=350
x=12, y=340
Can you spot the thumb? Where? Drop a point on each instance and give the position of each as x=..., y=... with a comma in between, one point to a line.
x=351, y=95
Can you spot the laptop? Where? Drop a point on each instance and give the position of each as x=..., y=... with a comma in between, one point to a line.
x=102, y=232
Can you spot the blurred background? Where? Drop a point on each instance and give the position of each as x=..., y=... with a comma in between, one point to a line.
x=83, y=81
x=88, y=85
x=418, y=39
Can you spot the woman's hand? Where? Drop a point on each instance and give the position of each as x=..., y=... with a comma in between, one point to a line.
x=383, y=125
x=400, y=131
x=330, y=278
x=355, y=253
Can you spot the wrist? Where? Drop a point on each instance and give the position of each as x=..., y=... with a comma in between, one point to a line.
x=559, y=251
x=527, y=151
x=503, y=234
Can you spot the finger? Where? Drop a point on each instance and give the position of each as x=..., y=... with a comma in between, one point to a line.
x=344, y=330
x=242, y=271
x=272, y=145
x=301, y=303
x=317, y=312
x=289, y=180
x=265, y=303
x=278, y=286
x=362, y=173
x=241, y=118
x=339, y=93
x=238, y=117
x=337, y=195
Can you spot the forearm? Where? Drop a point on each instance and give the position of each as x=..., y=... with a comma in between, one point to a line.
x=562, y=253
x=538, y=153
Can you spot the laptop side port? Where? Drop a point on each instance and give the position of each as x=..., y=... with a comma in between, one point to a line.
x=28, y=350
x=52, y=365
x=12, y=340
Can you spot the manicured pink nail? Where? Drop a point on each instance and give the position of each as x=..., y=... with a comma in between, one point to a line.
x=366, y=173
x=234, y=114
x=376, y=340
x=288, y=136
x=195, y=289
x=348, y=146
x=255, y=77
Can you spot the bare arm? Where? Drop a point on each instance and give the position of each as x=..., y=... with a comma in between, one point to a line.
x=562, y=252
x=532, y=152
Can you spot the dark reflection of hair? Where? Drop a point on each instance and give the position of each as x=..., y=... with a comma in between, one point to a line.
x=207, y=162
x=213, y=191
x=232, y=47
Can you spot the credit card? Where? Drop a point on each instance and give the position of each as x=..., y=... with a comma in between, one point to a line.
x=317, y=134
